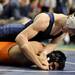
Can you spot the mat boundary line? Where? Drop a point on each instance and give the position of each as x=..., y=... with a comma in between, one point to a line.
x=4, y=70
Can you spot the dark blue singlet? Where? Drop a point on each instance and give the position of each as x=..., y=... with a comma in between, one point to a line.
x=10, y=31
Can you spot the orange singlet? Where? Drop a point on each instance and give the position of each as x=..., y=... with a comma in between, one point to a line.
x=4, y=49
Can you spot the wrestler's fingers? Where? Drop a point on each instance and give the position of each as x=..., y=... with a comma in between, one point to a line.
x=44, y=63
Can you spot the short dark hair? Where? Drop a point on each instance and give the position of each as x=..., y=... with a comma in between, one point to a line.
x=59, y=57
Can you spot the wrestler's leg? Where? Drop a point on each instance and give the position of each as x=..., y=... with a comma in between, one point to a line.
x=8, y=32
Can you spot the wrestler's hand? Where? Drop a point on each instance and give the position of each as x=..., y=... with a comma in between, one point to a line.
x=44, y=62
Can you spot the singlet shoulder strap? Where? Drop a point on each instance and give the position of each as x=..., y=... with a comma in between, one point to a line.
x=49, y=28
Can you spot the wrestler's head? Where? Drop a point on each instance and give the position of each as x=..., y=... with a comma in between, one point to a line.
x=56, y=60
x=70, y=24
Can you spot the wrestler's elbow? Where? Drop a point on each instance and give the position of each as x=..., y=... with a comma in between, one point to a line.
x=21, y=39
x=17, y=38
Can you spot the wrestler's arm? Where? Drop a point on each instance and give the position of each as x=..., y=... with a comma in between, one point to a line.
x=55, y=42
x=39, y=24
x=58, y=40
x=52, y=46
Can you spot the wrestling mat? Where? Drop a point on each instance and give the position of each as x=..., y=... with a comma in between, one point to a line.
x=69, y=69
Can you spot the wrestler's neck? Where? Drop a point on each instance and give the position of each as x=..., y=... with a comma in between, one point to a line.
x=60, y=19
